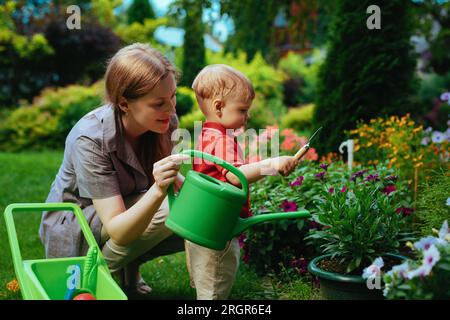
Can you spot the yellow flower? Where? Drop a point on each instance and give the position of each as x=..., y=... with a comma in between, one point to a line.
x=369, y=144
x=409, y=244
x=419, y=164
x=13, y=286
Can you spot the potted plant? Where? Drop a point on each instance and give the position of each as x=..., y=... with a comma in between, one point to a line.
x=361, y=220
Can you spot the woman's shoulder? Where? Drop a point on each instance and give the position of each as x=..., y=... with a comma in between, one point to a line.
x=93, y=125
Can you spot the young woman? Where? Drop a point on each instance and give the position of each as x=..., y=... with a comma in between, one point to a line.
x=117, y=167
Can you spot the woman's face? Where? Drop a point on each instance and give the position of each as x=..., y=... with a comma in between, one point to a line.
x=152, y=112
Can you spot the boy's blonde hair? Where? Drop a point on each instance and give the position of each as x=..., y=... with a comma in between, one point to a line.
x=220, y=81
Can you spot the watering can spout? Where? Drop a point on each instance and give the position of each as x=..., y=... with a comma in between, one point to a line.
x=244, y=224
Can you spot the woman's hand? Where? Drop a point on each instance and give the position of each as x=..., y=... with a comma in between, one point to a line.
x=165, y=171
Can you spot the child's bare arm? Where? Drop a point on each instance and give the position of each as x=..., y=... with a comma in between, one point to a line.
x=258, y=170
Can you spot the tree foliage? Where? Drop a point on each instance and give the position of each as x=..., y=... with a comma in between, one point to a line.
x=366, y=73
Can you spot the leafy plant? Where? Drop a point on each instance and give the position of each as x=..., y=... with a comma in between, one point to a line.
x=272, y=246
x=362, y=218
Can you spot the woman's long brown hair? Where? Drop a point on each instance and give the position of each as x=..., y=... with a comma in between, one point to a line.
x=132, y=73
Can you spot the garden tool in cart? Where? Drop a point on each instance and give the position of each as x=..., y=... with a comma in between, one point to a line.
x=206, y=210
x=300, y=153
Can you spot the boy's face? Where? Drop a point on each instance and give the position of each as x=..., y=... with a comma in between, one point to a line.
x=234, y=113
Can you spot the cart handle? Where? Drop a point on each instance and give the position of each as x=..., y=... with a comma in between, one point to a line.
x=27, y=207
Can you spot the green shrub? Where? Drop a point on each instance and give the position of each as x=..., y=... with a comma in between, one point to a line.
x=139, y=32
x=139, y=10
x=266, y=80
x=265, y=112
x=432, y=207
x=185, y=100
x=24, y=66
x=440, y=52
x=46, y=123
x=188, y=120
x=300, y=73
x=366, y=72
x=194, y=55
x=299, y=119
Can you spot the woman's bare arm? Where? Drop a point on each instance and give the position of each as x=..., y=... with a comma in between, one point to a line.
x=126, y=225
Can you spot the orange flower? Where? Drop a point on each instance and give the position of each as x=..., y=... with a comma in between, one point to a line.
x=13, y=286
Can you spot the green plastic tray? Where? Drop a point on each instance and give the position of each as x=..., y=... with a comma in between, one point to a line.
x=46, y=279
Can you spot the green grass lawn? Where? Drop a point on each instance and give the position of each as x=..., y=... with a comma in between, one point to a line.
x=26, y=177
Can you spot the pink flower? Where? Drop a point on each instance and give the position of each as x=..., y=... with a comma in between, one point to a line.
x=320, y=175
x=389, y=189
x=372, y=177
x=300, y=264
x=246, y=257
x=296, y=182
x=289, y=206
x=242, y=238
x=331, y=190
x=324, y=166
x=344, y=188
x=405, y=211
x=314, y=225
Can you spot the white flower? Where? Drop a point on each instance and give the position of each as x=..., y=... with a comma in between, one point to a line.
x=422, y=271
x=374, y=269
x=430, y=257
x=425, y=141
x=429, y=130
x=400, y=269
x=438, y=137
x=448, y=202
x=446, y=97
x=444, y=229
x=425, y=243
x=447, y=132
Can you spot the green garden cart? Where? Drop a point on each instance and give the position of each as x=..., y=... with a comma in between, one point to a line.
x=48, y=279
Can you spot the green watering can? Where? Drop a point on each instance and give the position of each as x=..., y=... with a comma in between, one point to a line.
x=206, y=210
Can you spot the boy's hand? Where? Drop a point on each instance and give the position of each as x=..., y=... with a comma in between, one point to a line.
x=284, y=164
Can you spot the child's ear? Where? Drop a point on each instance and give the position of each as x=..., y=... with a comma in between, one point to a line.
x=217, y=107
x=123, y=105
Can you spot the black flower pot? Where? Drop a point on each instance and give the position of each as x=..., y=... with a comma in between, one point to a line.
x=337, y=286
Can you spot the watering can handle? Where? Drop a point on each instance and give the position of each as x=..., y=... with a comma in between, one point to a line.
x=220, y=162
